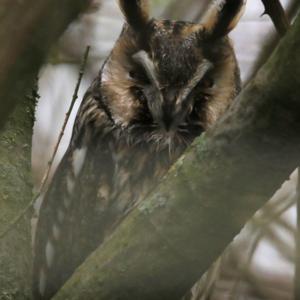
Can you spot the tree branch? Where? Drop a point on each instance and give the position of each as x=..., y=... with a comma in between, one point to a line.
x=171, y=238
x=15, y=194
x=272, y=40
x=274, y=9
x=27, y=30
x=297, y=256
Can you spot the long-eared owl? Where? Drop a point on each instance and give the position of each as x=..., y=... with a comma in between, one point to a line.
x=164, y=83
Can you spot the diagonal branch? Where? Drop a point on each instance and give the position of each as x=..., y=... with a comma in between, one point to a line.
x=297, y=254
x=169, y=240
x=274, y=9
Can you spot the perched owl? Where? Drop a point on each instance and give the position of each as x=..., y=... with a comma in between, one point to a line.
x=164, y=83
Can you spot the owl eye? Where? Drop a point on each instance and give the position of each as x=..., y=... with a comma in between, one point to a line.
x=198, y=107
x=207, y=83
x=139, y=94
x=204, y=85
x=139, y=76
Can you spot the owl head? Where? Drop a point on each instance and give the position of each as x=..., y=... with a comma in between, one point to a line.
x=171, y=78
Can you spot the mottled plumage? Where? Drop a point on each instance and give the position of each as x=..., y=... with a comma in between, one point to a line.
x=164, y=83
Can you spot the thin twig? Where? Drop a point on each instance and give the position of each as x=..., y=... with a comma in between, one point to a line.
x=50, y=163
x=274, y=9
x=62, y=132
x=260, y=228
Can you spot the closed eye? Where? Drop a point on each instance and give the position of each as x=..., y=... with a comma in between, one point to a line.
x=204, y=85
x=139, y=94
x=139, y=76
x=207, y=82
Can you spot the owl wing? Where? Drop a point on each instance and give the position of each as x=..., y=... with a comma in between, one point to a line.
x=74, y=206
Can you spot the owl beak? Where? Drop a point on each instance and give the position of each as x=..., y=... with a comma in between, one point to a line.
x=168, y=110
x=169, y=118
x=167, y=122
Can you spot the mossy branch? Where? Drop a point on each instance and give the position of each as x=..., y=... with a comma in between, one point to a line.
x=28, y=30
x=15, y=194
x=297, y=268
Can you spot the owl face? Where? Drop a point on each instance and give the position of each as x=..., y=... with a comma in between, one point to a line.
x=170, y=80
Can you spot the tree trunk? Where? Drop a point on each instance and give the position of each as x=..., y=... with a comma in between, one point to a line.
x=297, y=254
x=172, y=237
x=27, y=31
x=15, y=194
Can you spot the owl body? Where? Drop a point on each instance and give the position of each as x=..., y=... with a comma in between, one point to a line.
x=164, y=83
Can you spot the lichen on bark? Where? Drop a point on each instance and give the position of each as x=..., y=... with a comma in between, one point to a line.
x=15, y=195
x=28, y=29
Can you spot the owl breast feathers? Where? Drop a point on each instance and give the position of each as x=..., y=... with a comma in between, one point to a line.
x=164, y=83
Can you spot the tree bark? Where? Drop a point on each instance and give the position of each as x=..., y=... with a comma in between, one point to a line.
x=15, y=194
x=171, y=238
x=27, y=30
x=297, y=254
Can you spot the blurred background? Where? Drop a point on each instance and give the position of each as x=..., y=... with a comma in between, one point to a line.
x=260, y=262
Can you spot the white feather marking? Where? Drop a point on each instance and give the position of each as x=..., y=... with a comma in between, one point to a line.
x=42, y=282
x=49, y=254
x=70, y=185
x=106, y=74
x=56, y=232
x=61, y=215
x=78, y=160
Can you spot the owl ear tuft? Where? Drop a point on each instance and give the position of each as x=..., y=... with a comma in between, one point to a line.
x=223, y=16
x=136, y=13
